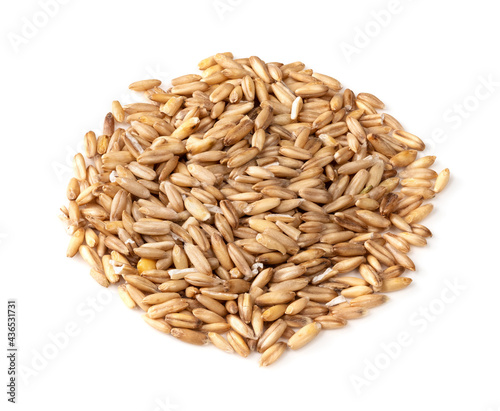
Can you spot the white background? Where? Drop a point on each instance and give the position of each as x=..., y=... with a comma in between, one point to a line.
x=427, y=61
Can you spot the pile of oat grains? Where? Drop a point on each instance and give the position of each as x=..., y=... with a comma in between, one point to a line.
x=250, y=206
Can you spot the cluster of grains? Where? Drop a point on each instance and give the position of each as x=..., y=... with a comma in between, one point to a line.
x=250, y=206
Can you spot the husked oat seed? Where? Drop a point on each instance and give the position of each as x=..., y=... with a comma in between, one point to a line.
x=251, y=205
